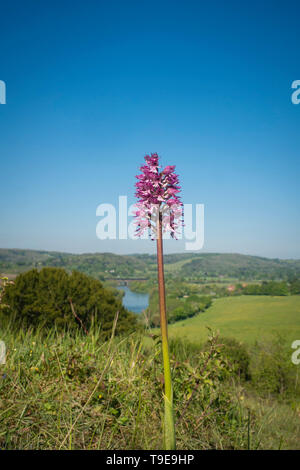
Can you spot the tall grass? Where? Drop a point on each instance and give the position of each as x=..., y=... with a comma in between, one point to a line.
x=66, y=391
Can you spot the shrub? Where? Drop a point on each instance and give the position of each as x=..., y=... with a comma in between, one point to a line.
x=237, y=356
x=273, y=371
x=45, y=298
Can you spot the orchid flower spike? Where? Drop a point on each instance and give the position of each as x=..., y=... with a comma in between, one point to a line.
x=157, y=193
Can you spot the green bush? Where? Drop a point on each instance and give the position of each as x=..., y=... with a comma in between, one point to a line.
x=273, y=373
x=237, y=355
x=45, y=298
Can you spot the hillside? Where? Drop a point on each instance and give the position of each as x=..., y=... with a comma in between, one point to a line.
x=240, y=266
x=98, y=265
x=191, y=266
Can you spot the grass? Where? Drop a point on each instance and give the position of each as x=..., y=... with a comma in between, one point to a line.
x=175, y=267
x=279, y=425
x=64, y=392
x=59, y=391
x=246, y=318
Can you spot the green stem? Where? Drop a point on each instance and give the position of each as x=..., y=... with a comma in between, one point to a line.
x=169, y=428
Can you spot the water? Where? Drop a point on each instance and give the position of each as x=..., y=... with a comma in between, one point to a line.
x=134, y=301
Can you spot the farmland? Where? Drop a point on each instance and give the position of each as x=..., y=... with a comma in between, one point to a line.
x=246, y=318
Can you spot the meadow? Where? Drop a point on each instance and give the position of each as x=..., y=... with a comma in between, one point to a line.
x=246, y=318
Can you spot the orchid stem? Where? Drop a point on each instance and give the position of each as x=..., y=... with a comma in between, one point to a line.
x=169, y=427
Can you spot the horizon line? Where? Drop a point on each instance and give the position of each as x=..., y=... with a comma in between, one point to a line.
x=149, y=254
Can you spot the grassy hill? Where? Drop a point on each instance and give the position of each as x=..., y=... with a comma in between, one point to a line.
x=79, y=393
x=246, y=318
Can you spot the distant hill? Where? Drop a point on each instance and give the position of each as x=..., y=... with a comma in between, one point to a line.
x=191, y=266
x=240, y=267
x=98, y=265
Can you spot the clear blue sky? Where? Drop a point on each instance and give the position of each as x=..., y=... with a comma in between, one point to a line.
x=94, y=85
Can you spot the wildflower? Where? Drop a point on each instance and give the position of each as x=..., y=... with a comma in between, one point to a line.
x=159, y=210
x=157, y=193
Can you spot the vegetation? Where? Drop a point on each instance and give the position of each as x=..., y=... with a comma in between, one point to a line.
x=101, y=266
x=187, y=266
x=186, y=299
x=273, y=372
x=240, y=267
x=268, y=288
x=238, y=357
x=245, y=318
x=141, y=287
x=74, y=391
x=54, y=297
x=74, y=381
x=179, y=306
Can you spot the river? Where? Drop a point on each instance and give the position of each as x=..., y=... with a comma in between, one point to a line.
x=134, y=301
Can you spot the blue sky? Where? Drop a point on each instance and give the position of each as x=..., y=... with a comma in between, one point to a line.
x=92, y=86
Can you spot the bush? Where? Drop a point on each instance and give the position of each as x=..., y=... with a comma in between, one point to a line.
x=230, y=351
x=45, y=298
x=273, y=371
x=237, y=356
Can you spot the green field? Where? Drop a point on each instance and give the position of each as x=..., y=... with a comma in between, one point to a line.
x=246, y=318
